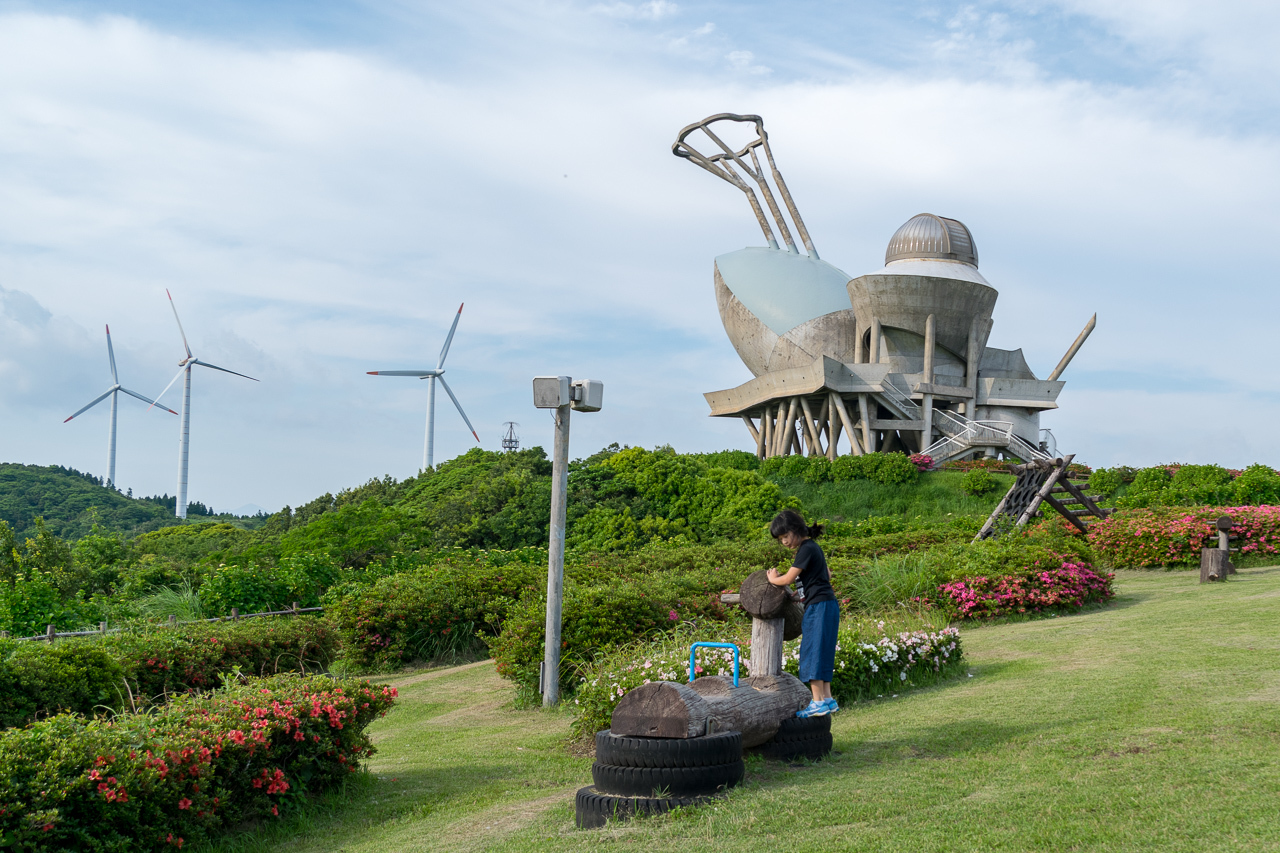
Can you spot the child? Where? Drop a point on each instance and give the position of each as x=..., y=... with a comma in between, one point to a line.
x=821, y=610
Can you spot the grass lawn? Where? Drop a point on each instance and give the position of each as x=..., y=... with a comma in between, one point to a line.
x=1151, y=725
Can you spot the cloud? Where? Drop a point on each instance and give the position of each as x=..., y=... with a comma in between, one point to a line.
x=653, y=10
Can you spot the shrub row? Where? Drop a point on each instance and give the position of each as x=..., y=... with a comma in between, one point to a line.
x=1173, y=536
x=1188, y=485
x=872, y=659
x=157, y=781
x=885, y=468
x=139, y=668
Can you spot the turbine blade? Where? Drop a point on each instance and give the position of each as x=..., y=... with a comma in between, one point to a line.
x=111, y=354
x=175, y=316
x=223, y=369
x=445, y=350
x=449, y=391
x=96, y=401
x=156, y=402
x=421, y=374
x=147, y=400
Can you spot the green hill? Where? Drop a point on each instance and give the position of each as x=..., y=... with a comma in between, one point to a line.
x=71, y=501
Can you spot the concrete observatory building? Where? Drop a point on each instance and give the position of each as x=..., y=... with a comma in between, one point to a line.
x=896, y=359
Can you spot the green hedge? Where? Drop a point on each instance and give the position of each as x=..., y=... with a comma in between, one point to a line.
x=144, y=667
x=884, y=468
x=201, y=764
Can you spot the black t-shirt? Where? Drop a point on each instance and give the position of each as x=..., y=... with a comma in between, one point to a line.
x=815, y=581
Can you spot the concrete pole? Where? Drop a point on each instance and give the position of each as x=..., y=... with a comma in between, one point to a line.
x=857, y=345
x=555, y=559
x=875, y=342
x=930, y=341
x=973, y=359
x=864, y=412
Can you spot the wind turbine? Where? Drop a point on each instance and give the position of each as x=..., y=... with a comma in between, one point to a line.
x=112, y=392
x=428, y=451
x=184, y=444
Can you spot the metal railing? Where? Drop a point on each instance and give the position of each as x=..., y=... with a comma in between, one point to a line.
x=50, y=634
x=984, y=434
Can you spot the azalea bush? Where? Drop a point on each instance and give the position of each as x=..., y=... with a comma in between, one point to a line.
x=1173, y=536
x=1047, y=590
x=144, y=666
x=161, y=780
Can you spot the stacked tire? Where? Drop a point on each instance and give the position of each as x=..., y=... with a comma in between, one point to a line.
x=648, y=776
x=798, y=737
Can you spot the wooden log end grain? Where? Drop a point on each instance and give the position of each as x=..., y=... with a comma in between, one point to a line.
x=661, y=709
x=761, y=598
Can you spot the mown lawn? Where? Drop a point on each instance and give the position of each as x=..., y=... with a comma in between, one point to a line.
x=1151, y=725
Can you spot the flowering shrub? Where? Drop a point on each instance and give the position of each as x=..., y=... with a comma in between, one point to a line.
x=157, y=781
x=872, y=660
x=922, y=461
x=142, y=667
x=1067, y=588
x=1173, y=536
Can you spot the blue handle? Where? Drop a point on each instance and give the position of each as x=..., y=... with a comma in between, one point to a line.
x=693, y=654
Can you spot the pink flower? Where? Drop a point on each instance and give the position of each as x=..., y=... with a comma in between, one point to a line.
x=673, y=616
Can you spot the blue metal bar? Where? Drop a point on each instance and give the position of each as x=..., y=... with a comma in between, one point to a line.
x=693, y=655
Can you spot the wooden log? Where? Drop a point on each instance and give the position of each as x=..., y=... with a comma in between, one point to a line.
x=756, y=707
x=761, y=598
x=793, y=619
x=766, y=646
x=1214, y=565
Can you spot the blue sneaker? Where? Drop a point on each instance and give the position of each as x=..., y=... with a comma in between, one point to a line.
x=832, y=705
x=814, y=709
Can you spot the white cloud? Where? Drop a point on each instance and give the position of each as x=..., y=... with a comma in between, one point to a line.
x=652, y=10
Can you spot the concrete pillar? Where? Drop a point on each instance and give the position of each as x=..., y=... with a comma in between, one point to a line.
x=926, y=434
x=973, y=359
x=875, y=342
x=929, y=345
x=858, y=351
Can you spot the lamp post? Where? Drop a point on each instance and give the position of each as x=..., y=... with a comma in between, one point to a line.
x=562, y=394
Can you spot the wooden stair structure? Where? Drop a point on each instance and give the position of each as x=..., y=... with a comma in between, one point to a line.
x=1042, y=481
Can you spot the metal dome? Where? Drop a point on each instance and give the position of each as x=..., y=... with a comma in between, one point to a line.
x=929, y=236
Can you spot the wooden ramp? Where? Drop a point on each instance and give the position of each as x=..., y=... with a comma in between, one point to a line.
x=1040, y=482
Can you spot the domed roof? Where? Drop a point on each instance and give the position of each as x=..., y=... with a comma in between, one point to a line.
x=929, y=236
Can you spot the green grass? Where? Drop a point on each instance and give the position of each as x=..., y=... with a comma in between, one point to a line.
x=932, y=497
x=1153, y=724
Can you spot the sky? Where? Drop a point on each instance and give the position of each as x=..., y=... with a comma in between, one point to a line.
x=320, y=185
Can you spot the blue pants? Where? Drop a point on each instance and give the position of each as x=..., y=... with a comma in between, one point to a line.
x=818, y=641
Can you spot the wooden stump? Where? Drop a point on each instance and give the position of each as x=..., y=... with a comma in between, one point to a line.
x=1214, y=565
x=756, y=707
x=761, y=598
x=794, y=617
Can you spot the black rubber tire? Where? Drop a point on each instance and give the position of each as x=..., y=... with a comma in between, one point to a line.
x=592, y=809
x=802, y=728
x=666, y=781
x=722, y=748
x=812, y=748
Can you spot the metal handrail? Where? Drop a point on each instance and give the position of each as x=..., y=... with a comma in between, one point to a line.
x=693, y=654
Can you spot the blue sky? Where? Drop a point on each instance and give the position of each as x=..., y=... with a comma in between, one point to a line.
x=321, y=184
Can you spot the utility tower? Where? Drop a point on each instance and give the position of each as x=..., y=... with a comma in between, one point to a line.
x=511, y=441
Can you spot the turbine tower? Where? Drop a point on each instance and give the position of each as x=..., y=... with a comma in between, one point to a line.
x=112, y=392
x=428, y=451
x=184, y=443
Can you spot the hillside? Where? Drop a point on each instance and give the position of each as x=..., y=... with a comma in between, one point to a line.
x=70, y=502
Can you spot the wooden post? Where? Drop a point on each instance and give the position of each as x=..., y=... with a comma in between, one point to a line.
x=235, y=613
x=49, y=633
x=102, y=627
x=295, y=608
x=865, y=412
x=555, y=559
x=173, y=621
x=1214, y=565
x=766, y=645
x=875, y=342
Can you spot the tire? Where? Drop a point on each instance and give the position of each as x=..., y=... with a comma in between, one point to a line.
x=813, y=748
x=802, y=728
x=721, y=748
x=592, y=809
x=666, y=781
